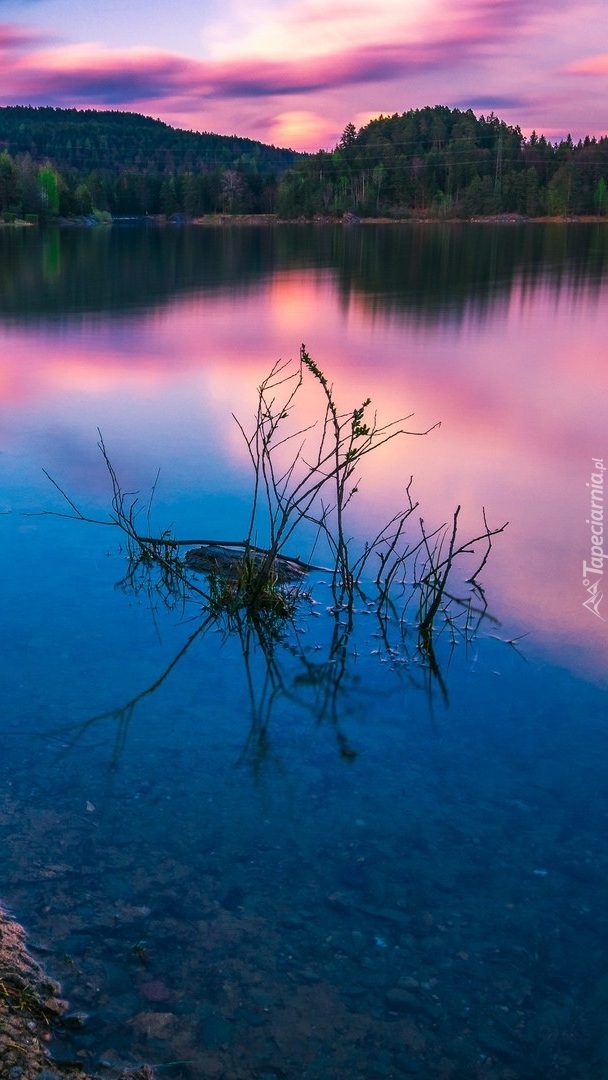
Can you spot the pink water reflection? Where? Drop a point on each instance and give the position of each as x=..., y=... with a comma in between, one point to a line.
x=521, y=394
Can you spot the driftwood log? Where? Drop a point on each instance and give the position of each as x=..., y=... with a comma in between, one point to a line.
x=211, y=558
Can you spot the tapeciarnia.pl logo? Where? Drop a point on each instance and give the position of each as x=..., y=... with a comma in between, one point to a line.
x=593, y=571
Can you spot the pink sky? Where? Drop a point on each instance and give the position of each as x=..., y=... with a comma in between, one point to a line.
x=295, y=72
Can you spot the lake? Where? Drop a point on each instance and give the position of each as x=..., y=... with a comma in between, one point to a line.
x=321, y=856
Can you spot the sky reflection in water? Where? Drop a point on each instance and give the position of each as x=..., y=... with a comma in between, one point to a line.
x=520, y=391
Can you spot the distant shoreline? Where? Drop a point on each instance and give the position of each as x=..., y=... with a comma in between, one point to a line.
x=348, y=221
x=352, y=220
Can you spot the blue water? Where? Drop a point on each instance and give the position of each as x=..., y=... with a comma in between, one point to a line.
x=396, y=887
x=337, y=867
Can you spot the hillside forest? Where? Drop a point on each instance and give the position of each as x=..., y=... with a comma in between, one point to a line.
x=433, y=162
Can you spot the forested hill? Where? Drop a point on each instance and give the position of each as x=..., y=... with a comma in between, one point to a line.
x=72, y=162
x=91, y=139
x=440, y=162
x=433, y=162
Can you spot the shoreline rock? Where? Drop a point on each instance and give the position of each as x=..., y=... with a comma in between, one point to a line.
x=30, y=1007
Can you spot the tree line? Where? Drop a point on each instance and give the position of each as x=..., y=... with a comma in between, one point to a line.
x=73, y=162
x=432, y=162
x=447, y=163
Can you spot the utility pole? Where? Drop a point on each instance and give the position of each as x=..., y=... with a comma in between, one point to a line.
x=498, y=172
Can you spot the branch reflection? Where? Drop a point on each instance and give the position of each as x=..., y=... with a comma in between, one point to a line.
x=314, y=657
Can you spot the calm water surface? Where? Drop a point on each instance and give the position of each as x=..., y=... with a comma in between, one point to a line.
x=347, y=868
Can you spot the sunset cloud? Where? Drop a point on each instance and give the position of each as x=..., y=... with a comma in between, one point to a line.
x=300, y=127
x=592, y=65
x=87, y=73
x=301, y=69
x=14, y=38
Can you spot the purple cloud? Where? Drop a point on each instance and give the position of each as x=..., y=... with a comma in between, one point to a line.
x=491, y=102
x=129, y=78
x=15, y=38
x=86, y=74
x=489, y=55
